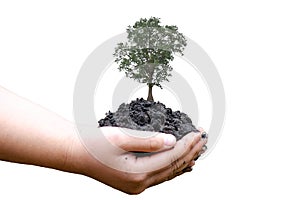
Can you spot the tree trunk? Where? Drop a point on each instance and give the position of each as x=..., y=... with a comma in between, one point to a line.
x=150, y=84
x=150, y=96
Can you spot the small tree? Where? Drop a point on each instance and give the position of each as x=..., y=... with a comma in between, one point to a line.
x=146, y=55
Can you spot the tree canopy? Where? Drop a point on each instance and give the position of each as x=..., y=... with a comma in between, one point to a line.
x=147, y=54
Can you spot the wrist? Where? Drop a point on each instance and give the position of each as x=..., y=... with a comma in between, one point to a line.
x=78, y=159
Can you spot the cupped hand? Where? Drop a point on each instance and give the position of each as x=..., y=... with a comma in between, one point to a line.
x=121, y=167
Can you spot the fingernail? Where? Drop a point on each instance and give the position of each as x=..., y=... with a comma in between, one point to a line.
x=204, y=148
x=204, y=135
x=192, y=163
x=169, y=140
x=188, y=169
x=195, y=159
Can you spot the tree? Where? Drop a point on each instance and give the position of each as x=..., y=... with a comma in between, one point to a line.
x=147, y=54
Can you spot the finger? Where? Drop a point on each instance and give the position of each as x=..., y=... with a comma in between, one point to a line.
x=187, y=160
x=204, y=134
x=141, y=141
x=157, y=182
x=163, y=179
x=202, y=151
x=180, y=166
x=162, y=160
x=177, y=168
x=192, y=163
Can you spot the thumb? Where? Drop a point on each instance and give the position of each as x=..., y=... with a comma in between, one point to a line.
x=158, y=142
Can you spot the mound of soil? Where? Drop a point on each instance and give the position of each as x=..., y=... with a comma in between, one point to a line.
x=146, y=115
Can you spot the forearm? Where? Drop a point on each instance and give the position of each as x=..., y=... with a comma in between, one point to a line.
x=30, y=134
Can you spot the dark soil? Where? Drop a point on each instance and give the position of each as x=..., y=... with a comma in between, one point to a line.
x=146, y=115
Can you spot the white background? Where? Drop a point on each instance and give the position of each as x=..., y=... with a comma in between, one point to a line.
x=255, y=46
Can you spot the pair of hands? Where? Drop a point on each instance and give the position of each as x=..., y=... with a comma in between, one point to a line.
x=122, y=169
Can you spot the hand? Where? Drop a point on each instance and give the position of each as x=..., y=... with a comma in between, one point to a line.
x=53, y=143
x=132, y=174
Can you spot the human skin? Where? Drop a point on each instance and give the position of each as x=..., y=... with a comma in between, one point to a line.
x=30, y=134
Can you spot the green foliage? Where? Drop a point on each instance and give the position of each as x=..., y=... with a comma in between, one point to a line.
x=150, y=48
